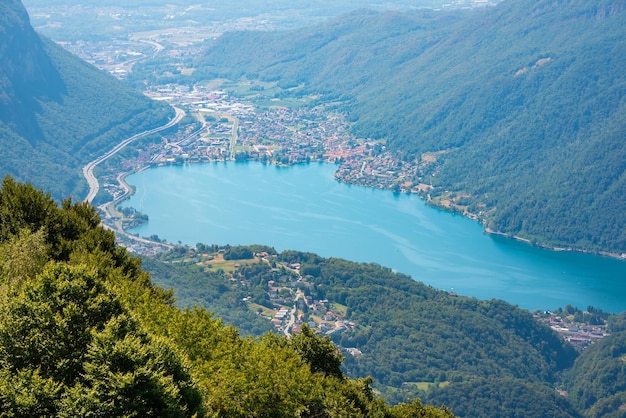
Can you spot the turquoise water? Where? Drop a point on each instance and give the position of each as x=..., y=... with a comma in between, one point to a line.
x=304, y=208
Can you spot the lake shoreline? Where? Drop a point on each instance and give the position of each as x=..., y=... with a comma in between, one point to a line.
x=616, y=256
x=469, y=215
x=475, y=217
x=303, y=204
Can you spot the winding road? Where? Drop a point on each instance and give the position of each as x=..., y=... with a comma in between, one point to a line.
x=94, y=186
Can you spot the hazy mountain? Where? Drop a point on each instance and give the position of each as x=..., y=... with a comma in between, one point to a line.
x=56, y=111
x=524, y=100
x=114, y=20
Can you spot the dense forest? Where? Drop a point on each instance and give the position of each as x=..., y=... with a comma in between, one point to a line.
x=57, y=112
x=597, y=382
x=504, y=397
x=84, y=332
x=481, y=358
x=513, y=100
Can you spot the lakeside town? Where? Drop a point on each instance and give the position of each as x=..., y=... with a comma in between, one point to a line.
x=220, y=127
x=243, y=120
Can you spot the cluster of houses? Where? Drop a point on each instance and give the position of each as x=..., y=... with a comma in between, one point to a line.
x=381, y=171
x=580, y=335
x=294, y=305
x=228, y=128
x=290, y=136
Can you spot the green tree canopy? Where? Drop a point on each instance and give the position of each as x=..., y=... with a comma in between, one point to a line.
x=319, y=352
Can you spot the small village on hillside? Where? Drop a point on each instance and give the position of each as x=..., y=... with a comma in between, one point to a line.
x=288, y=298
x=294, y=303
x=579, y=333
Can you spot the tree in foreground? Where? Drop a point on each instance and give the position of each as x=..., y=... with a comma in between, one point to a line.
x=64, y=337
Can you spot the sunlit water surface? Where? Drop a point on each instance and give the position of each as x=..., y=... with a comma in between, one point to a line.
x=304, y=208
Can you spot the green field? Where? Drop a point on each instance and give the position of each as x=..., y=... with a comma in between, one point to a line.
x=254, y=307
x=227, y=265
x=339, y=308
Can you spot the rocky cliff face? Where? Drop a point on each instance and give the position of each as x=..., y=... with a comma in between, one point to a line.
x=26, y=72
x=21, y=53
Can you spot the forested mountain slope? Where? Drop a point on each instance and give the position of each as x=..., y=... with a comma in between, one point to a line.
x=57, y=112
x=485, y=357
x=597, y=382
x=84, y=332
x=525, y=103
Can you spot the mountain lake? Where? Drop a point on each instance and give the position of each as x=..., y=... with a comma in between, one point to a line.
x=304, y=208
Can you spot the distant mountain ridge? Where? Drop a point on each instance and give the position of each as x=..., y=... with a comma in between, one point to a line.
x=523, y=102
x=57, y=112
